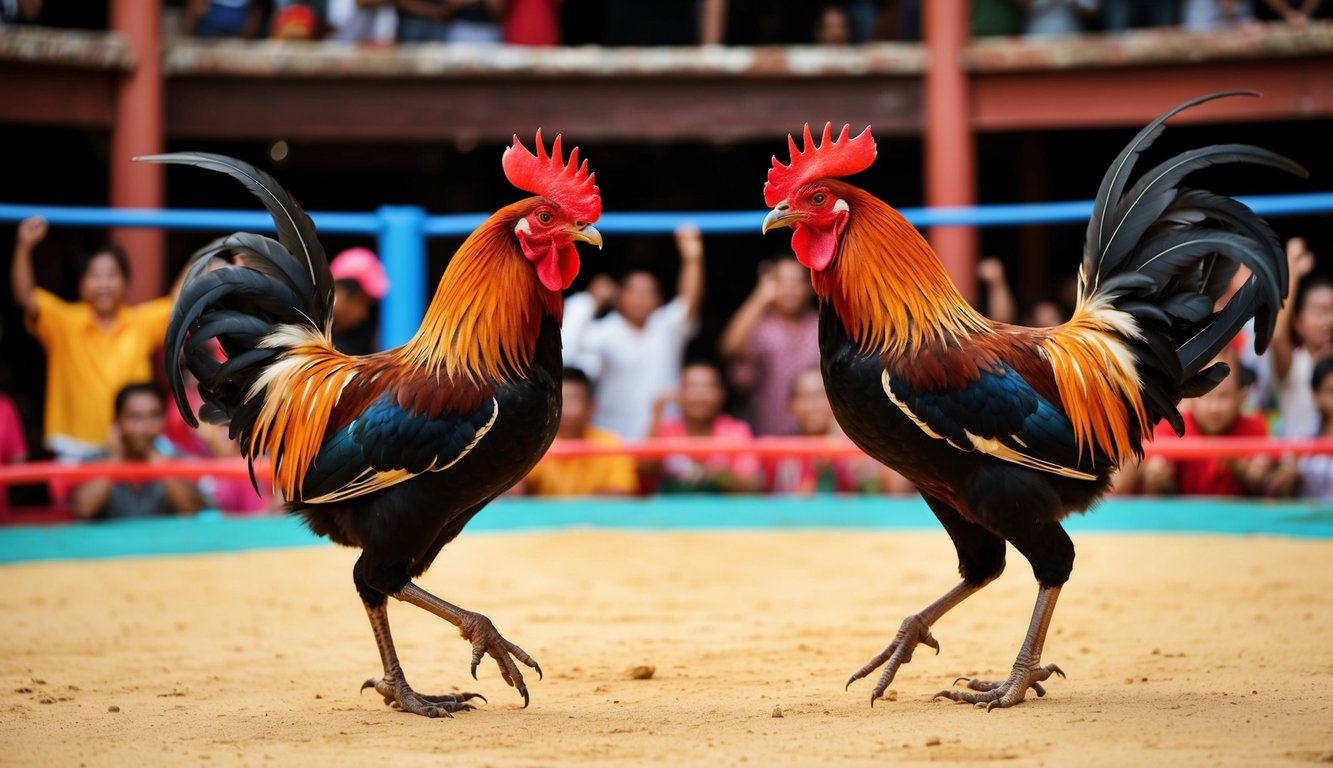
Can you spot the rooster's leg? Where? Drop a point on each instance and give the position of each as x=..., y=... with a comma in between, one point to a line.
x=1048, y=548
x=980, y=560
x=478, y=630
x=1028, y=671
x=393, y=686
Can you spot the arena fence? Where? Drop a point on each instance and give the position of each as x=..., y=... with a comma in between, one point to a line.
x=401, y=232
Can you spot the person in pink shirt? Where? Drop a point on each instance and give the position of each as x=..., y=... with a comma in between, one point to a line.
x=13, y=446
x=772, y=337
x=701, y=398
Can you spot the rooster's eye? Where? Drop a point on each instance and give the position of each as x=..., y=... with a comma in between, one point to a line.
x=544, y=217
x=818, y=198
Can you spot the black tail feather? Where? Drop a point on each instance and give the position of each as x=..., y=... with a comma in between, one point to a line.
x=1167, y=255
x=237, y=291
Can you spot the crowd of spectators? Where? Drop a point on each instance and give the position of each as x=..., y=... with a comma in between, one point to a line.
x=669, y=22
x=628, y=379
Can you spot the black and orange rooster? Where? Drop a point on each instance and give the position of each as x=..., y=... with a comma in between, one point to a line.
x=1006, y=430
x=392, y=452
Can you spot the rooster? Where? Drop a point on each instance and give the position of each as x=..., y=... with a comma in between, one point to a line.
x=1006, y=430
x=393, y=452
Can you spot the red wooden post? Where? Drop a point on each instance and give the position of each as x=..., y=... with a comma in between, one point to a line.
x=950, y=162
x=139, y=130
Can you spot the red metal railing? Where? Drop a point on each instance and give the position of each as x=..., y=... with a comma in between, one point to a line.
x=766, y=447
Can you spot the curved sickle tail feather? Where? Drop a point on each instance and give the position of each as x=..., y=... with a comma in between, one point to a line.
x=1166, y=255
x=237, y=291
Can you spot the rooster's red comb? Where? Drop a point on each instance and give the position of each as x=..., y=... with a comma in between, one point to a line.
x=569, y=186
x=829, y=159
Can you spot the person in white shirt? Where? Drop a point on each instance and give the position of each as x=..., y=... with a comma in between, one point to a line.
x=1307, y=317
x=634, y=353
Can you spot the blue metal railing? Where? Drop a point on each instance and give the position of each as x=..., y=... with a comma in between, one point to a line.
x=401, y=231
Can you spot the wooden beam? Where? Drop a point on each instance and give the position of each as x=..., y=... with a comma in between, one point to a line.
x=44, y=95
x=1053, y=100
x=670, y=109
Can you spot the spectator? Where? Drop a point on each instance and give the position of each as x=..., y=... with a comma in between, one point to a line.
x=223, y=18
x=94, y=346
x=1000, y=305
x=1045, y=314
x=634, y=353
x=372, y=21
x=582, y=475
x=1210, y=15
x=1056, y=18
x=1303, y=335
x=833, y=26
x=295, y=21
x=1123, y=15
x=1298, y=16
x=19, y=11
x=450, y=21
x=1316, y=470
x=533, y=22
x=701, y=397
x=772, y=337
x=359, y=283
x=1215, y=414
x=809, y=407
x=13, y=445
x=136, y=437
x=996, y=18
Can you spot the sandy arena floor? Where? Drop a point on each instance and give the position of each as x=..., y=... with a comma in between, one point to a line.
x=1180, y=651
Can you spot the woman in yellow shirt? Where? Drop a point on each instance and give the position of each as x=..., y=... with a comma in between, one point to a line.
x=94, y=346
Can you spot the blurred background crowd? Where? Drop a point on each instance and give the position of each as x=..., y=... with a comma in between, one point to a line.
x=657, y=22
x=672, y=345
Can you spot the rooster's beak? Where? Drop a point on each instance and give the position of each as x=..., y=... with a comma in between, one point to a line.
x=587, y=233
x=780, y=216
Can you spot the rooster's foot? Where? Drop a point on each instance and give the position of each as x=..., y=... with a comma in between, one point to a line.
x=487, y=640
x=1007, y=693
x=398, y=695
x=914, y=631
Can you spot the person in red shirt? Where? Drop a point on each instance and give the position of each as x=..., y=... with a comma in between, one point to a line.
x=1218, y=413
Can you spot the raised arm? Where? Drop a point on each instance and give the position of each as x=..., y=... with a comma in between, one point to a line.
x=23, y=282
x=690, y=284
x=1300, y=262
x=736, y=336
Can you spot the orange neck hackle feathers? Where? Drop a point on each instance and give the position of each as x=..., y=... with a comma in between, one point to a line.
x=569, y=186
x=487, y=310
x=831, y=158
x=886, y=284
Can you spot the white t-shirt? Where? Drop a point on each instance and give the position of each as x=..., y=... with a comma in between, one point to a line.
x=1297, y=413
x=630, y=366
x=352, y=24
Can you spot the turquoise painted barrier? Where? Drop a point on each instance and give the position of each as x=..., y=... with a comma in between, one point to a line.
x=212, y=533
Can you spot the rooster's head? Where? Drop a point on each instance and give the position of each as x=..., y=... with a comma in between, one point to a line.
x=566, y=205
x=802, y=198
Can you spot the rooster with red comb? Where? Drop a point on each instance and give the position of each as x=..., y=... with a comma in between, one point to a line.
x=1006, y=430
x=392, y=453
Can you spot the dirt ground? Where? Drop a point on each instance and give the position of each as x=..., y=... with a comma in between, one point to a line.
x=1180, y=650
